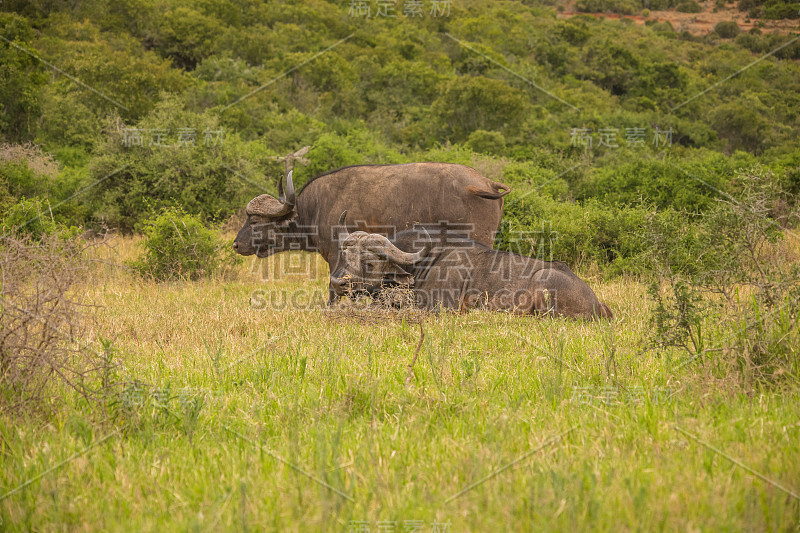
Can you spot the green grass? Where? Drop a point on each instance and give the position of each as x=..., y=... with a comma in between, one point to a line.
x=326, y=391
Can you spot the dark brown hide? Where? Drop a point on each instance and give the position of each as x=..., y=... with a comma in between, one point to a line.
x=381, y=199
x=464, y=276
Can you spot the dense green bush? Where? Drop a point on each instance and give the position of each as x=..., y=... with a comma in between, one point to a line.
x=623, y=7
x=678, y=183
x=197, y=164
x=117, y=74
x=781, y=10
x=487, y=142
x=771, y=9
x=660, y=5
x=33, y=218
x=21, y=80
x=356, y=147
x=727, y=29
x=178, y=246
x=472, y=103
x=620, y=239
x=688, y=6
x=26, y=171
x=579, y=235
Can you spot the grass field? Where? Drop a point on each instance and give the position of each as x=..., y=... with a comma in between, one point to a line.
x=273, y=417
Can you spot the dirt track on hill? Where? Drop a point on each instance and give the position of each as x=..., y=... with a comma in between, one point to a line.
x=696, y=23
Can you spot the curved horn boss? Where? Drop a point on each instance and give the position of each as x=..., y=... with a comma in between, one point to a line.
x=267, y=206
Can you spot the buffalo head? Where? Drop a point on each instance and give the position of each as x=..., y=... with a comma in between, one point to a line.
x=369, y=262
x=269, y=221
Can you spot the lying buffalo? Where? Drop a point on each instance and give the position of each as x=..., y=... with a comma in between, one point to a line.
x=380, y=199
x=461, y=275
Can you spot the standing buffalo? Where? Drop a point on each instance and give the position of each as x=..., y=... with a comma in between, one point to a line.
x=462, y=275
x=380, y=199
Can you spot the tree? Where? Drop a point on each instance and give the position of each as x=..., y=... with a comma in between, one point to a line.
x=469, y=104
x=21, y=80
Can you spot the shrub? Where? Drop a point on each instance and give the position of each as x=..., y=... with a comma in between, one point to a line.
x=41, y=316
x=682, y=184
x=663, y=27
x=472, y=103
x=487, y=142
x=689, y=6
x=730, y=266
x=745, y=124
x=209, y=171
x=357, y=147
x=25, y=170
x=579, y=235
x=747, y=5
x=178, y=246
x=37, y=161
x=624, y=7
x=33, y=218
x=660, y=5
x=752, y=41
x=727, y=29
x=574, y=31
x=21, y=80
x=781, y=10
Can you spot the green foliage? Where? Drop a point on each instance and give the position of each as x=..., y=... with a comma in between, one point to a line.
x=745, y=124
x=688, y=6
x=472, y=103
x=771, y=9
x=26, y=171
x=66, y=120
x=117, y=75
x=17, y=180
x=577, y=234
x=33, y=218
x=178, y=246
x=727, y=29
x=678, y=315
x=613, y=67
x=356, y=147
x=781, y=10
x=395, y=91
x=623, y=7
x=187, y=36
x=660, y=5
x=210, y=173
x=680, y=183
x=574, y=31
x=725, y=264
x=487, y=142
x=21, y=80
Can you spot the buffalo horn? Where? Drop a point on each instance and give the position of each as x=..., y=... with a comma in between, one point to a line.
x=394, y=254
x=343, y=233
x=265, y=205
